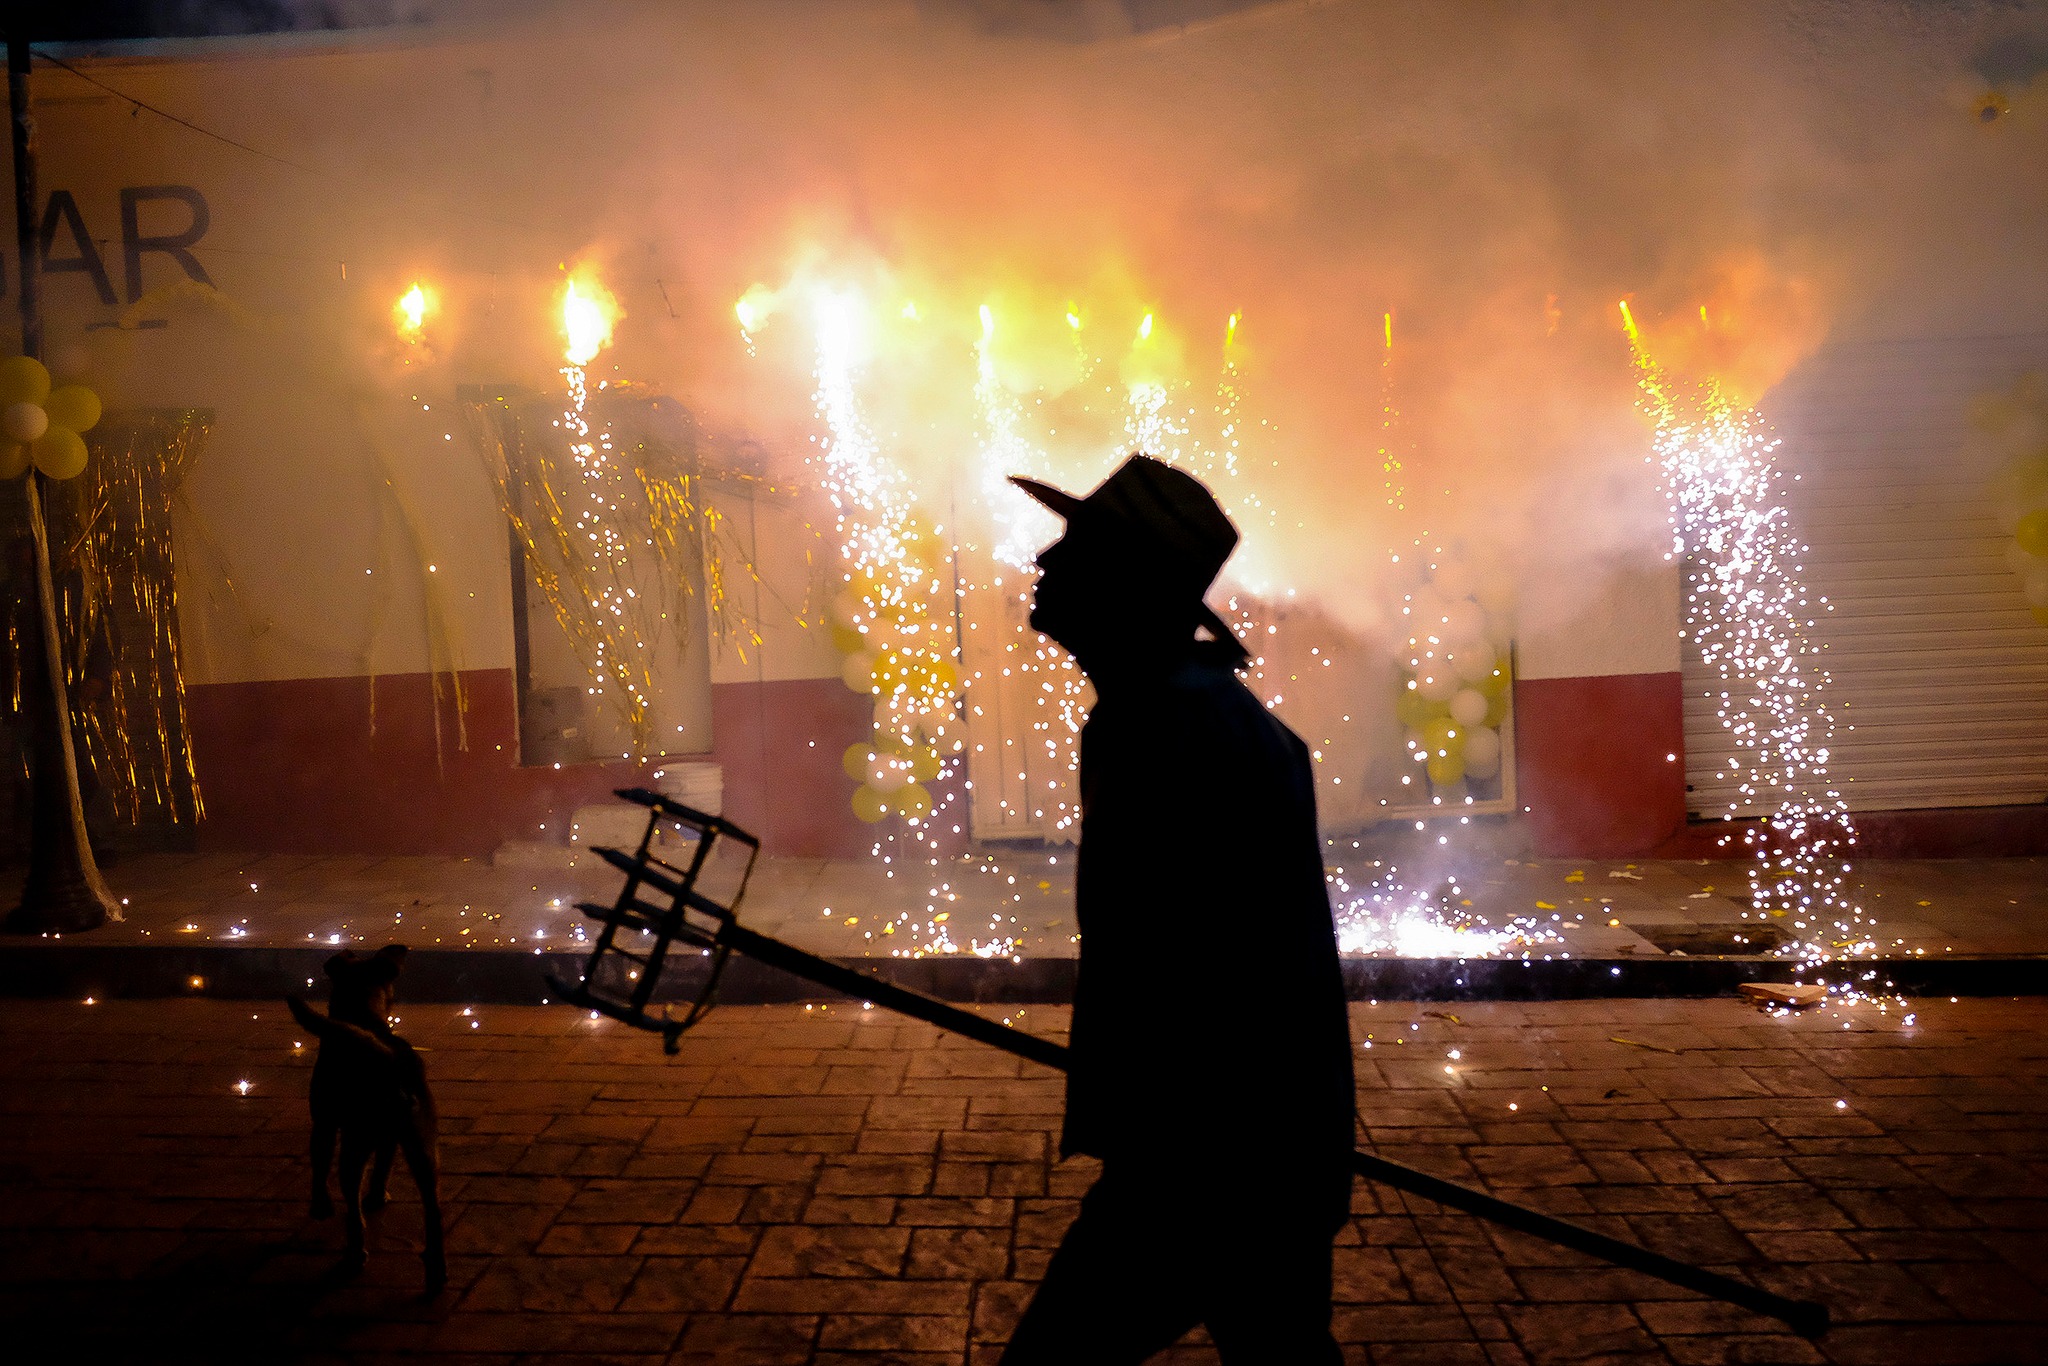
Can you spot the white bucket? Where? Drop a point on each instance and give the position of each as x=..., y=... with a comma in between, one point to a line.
x=699, y=786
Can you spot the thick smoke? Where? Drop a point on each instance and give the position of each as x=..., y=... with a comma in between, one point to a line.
x=1497, y=177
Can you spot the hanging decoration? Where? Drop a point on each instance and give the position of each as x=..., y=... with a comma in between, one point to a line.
x=117, y=589
x=654, y=491
x=43, y=426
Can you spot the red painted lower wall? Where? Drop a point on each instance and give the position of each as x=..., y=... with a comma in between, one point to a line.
x=1600, y=763
x=781, y=744
x=1949, y=832
x=307, y=766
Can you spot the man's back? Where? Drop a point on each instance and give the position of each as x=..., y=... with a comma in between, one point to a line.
x=1209, y=1018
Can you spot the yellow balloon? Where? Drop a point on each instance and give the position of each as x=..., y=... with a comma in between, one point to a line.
x=855, y=762
x=2041, y=615
x=915, y=802
x=1497, y=707
x=1496, y=683
x=13, y=460
x=945, y=677
x=73, y=406
x=1443, y=771
x=867, y=804
x=924, y=765
x=1415, y=711
x=2032, y=532
x=846, y=640
x=23, y=380
x=60, y=453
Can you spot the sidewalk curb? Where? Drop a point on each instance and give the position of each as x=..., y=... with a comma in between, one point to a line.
x=503, y=977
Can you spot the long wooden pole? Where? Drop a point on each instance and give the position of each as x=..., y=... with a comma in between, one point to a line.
x=1805, y=1317
x=64, y=892
x=1802, y=1316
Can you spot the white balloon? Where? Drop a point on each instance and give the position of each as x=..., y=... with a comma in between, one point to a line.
x=858, y=671
x=24, y=421
x=1468, y=708
x=1482, y=753
x=1436, y=683
x=887, y=773
x=1472, y=660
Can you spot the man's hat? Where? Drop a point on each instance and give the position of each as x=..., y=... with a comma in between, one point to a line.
x=1160, y=515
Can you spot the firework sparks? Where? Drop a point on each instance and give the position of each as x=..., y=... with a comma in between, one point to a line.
x=899, y=653
x=1748, y=614
x=1388, y=920
x=1034, y=666
x=588, y=314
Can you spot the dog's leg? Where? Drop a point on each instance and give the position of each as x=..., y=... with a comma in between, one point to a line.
x=421, y=1141
x=355, y=1153
x=379, y=1193
x=322, y=1206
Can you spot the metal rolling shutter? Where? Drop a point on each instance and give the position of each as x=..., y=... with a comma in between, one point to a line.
x=1939, y=674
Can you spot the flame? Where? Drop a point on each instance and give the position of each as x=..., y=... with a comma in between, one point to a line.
x=411, y=311
x=588, y=312
x=1145, y=328
x=754, y=308
x=988, y=321
x=1230, y=330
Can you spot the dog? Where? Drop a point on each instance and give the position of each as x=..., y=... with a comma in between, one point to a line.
x=369, y=1091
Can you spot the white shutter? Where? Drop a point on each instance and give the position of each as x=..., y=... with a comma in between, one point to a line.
x=1939, y=673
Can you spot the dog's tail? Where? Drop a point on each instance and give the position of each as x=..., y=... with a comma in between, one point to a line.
x=328, y=1029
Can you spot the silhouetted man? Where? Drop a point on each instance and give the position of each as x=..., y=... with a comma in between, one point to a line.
x=1211, y=1064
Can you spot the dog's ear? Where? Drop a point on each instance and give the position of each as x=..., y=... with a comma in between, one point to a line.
x=381, y=967
x=341, y=963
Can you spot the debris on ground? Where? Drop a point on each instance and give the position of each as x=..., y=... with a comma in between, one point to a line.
x=1791, y=995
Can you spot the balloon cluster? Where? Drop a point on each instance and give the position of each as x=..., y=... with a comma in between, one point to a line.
x=1455, y=686
x=42, y=425
x=897, y=653
x=2015, y=426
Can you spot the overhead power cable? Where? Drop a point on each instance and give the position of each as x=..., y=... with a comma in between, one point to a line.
x=166, y=114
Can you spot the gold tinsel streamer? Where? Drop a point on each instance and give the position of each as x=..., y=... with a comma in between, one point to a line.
x=117, y=585
x=654, y=494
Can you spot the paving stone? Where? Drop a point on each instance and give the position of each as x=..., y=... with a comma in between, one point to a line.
x=841, y=1250
x=767, y=1219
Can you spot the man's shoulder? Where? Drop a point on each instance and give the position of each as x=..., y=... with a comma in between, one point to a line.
x=1209, y=704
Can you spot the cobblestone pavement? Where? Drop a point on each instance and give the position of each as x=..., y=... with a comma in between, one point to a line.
x=1023, y=901
x=831, y=1185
